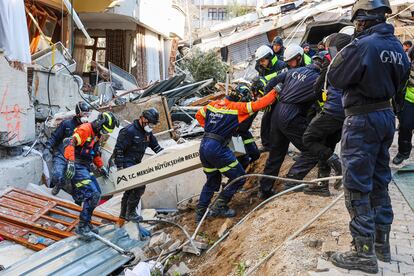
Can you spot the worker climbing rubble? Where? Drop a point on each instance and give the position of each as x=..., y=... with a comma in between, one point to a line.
x=220, y=120
x=55, y=146
x=370, y=71
x=129, y=150
x=81, y=150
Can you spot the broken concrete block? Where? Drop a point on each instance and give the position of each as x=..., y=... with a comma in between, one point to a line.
x=156, y=249
x=168, y=242
x=158, y=240
x=224, y=227
x=200, y=245
x=174, y=246
x=189, y=249
x=19, y=171
x=149, y=214
x=181, y=270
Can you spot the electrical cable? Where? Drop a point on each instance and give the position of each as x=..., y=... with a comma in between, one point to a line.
x=77, y=83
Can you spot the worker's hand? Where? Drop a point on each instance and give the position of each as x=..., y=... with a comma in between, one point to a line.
x=47, y=154
x=104, y=172
x=70, y=170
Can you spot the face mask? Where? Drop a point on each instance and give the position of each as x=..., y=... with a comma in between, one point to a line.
x=147, y=128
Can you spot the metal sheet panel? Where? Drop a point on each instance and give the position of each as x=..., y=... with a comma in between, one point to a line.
x=404, y=179
x=244, y=50
x=72, y=256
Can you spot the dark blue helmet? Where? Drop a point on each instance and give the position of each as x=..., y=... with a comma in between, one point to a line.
x=366, y=10
x=242, y=93
x=152, y=115
x=258, y=85
x=277, y=40
x=82, y=107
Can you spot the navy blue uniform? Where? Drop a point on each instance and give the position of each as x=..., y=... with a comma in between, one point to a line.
x=129, y=150
x=55, y=142
x=370, y=71
x=289, y=122
x=252, y=151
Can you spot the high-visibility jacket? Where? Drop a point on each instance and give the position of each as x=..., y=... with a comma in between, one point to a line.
x=224, y=116
x=84, y=146
x=409, y=93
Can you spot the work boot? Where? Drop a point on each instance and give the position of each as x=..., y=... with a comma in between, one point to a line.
x=399, y=158
x=382, y=242
x=56, y=189
x=335, y=163
x=93, y=228
x=319, y=190
x=266, y=194
x=289, y=185
x=199, y=214
x=221, y=209
x=363, y=258
x=84, y=231
x=133, y=216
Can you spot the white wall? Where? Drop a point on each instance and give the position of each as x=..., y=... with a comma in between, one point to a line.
x=153, y=57
x=225, y=2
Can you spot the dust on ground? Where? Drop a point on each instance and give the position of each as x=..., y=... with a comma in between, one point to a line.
x=266, y=229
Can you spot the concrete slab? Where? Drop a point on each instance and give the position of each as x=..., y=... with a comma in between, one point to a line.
x=19, y=171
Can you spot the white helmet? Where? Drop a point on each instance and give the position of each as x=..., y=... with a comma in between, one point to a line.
x=349, y=30
x=262, y=52
x=292, y=51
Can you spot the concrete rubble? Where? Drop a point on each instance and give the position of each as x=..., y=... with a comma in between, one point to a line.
x=181, y=270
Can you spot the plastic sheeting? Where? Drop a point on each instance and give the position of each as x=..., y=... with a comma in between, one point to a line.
x=14, y=36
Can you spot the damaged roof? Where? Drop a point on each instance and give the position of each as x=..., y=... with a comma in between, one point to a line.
x=73, y=256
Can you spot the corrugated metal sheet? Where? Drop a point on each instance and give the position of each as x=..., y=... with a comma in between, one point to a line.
x=244, y=50
x=72, y=256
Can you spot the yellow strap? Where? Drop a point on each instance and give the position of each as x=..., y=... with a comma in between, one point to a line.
x=324, y=96
x=249, y=107
x=271, y=76
x=83, y=183
x=248, y=141
x=209, y=170
x=228, y=167
x=78, y=138
x=222, y=110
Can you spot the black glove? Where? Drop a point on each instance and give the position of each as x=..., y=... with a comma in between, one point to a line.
x=70, y=170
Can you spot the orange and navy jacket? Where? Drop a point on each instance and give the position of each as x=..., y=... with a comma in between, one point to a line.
x=84, y=146
x=224, y=116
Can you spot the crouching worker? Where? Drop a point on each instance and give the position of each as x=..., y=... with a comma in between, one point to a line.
x=81, y=151
x=55, y=145
x=220, y=120
x=129, y=150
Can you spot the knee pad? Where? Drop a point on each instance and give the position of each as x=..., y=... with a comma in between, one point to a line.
x=357, y=203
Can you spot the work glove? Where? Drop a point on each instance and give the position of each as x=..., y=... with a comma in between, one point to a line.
x=104, y=172
x=143, y=232
x=47, y=154
x=70, y=170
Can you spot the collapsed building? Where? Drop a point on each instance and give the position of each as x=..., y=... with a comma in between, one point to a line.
x=119, y=57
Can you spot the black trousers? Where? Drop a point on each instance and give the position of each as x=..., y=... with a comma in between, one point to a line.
x=265, y=128
x=322, y=135
x=282, y=134
x=130, y=200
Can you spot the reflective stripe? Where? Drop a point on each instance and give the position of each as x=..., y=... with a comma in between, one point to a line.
x=321, y=104
x=307, y=59
x=271, y=76
x=248, y=141
x=109, y=118
x=249, y=107
x=229, y=167
x=209, y=170
x=83, y=183
x=203, y=113
x=274, y=60
x=222, y=110
x=409, y=94
x=78, y=138
x=263, y=81
x=108, y=130
x=324, y=96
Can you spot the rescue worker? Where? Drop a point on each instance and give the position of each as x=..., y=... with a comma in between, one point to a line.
x=407, y=45
x=324, y=131
x=321, y=46
x=289, y=119
x=220, y=120
x=268, y=66
x=406, y=118
x=370, y=71
x=81, y=150
x=278, y=48
x=252, y=151
x=129, y=150
x=308, y=53
x=55, y=145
